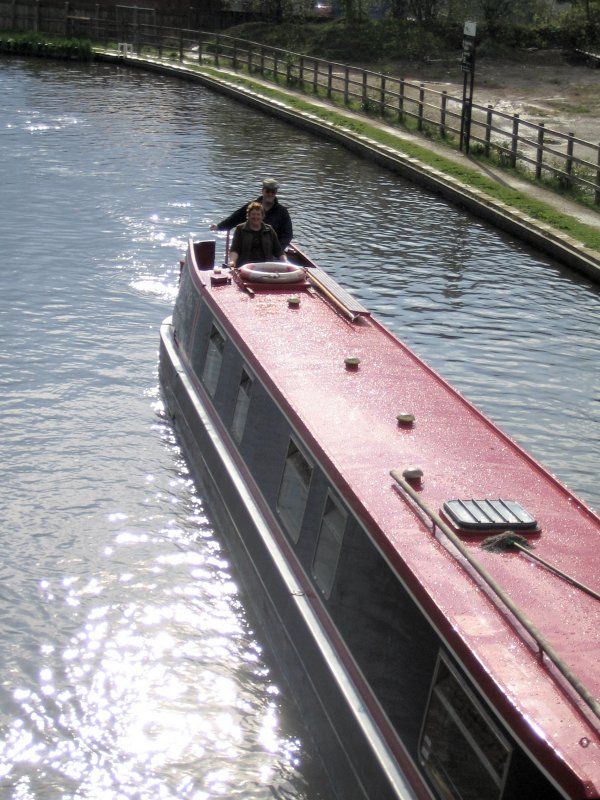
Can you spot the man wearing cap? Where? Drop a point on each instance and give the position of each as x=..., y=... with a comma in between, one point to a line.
x=276, y=215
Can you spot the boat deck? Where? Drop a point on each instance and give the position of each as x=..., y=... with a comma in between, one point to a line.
x=347, y=417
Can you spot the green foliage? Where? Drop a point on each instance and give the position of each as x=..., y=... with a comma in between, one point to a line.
x=424, y=11
x=293, y=36
x=503, y=154
x=581, y=25
x=477, y=150
x=367, y=41
x=503, y=25
x=371, y=107
x=429, y=131
x=33, y=44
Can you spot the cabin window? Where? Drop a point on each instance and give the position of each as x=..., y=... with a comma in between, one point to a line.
x=242, y=403
x=461, y=748
x=214, y=357
x=329, y=545
x=184, y=313
x=293, y=491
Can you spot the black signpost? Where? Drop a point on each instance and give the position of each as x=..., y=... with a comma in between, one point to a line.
x=467, y=65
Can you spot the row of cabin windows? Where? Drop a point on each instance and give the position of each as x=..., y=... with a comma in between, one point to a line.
x=297, y=473
x=210, y=378
x=291, y=504
x=460, y=748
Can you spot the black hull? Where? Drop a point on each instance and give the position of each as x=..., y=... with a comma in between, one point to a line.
x=358, y=765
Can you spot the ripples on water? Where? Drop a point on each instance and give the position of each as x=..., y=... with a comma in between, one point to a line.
x=129, y=668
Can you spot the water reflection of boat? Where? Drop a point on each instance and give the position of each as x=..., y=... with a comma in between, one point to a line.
x=358, y=488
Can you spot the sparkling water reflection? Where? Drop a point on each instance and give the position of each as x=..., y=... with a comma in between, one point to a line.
x=129, y=669
x=146, y=681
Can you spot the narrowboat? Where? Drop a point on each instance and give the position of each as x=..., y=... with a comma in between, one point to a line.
x=427, y=588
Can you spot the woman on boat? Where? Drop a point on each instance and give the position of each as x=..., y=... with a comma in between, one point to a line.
x=254, y=241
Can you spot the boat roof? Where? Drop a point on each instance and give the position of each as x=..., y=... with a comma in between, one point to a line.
x=348, y=419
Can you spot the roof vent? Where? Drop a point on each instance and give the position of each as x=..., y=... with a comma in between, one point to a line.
x=489, y=515
x=413, y=474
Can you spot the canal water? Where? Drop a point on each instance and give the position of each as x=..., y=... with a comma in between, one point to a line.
x=128, y=665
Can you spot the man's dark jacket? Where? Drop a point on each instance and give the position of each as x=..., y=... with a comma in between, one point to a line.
x=277, y=217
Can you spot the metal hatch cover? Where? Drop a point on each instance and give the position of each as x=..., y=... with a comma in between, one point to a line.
x=486, y=515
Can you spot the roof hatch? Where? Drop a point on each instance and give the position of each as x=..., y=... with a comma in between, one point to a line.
x=486, y=515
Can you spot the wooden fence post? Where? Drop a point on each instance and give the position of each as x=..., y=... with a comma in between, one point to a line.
x=597, y=194
x=136, y=31
x=365, y=90
x=200, y=49
x=421, y=106
x=217, y=42
x=346, y=85
x=382, y=96
x=249, y=59
x=262, y=60
x=569, y=161
x=401, y=101
x=488, y=130
x=515, y=141
x=181, y=45
x=315, y=76
x=234, y=55
x=443, y=114
x=539, y=153
x=288, y=71
x=275, y=64
x=301, y=67
x=329, y=79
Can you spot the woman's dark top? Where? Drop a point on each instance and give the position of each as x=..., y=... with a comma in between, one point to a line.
x=255, y=246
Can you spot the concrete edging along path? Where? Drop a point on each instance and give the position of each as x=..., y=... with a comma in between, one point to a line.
x=537, y=234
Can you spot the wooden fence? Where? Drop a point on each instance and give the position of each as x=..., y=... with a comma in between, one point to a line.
x=512, y=140
x=515, y=141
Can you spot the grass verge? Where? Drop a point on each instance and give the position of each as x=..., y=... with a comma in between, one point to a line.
x=33, y=44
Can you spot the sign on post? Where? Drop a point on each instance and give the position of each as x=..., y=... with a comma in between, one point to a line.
x=467, y=65
x=468, y=55
x=467, y=62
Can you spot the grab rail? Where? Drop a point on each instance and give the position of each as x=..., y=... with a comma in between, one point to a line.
x=347, y=304
x=544, y=646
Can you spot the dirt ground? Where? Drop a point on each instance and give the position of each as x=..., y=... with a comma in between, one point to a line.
x=541, y=86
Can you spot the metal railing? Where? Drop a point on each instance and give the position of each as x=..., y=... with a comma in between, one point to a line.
x=513, y=141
